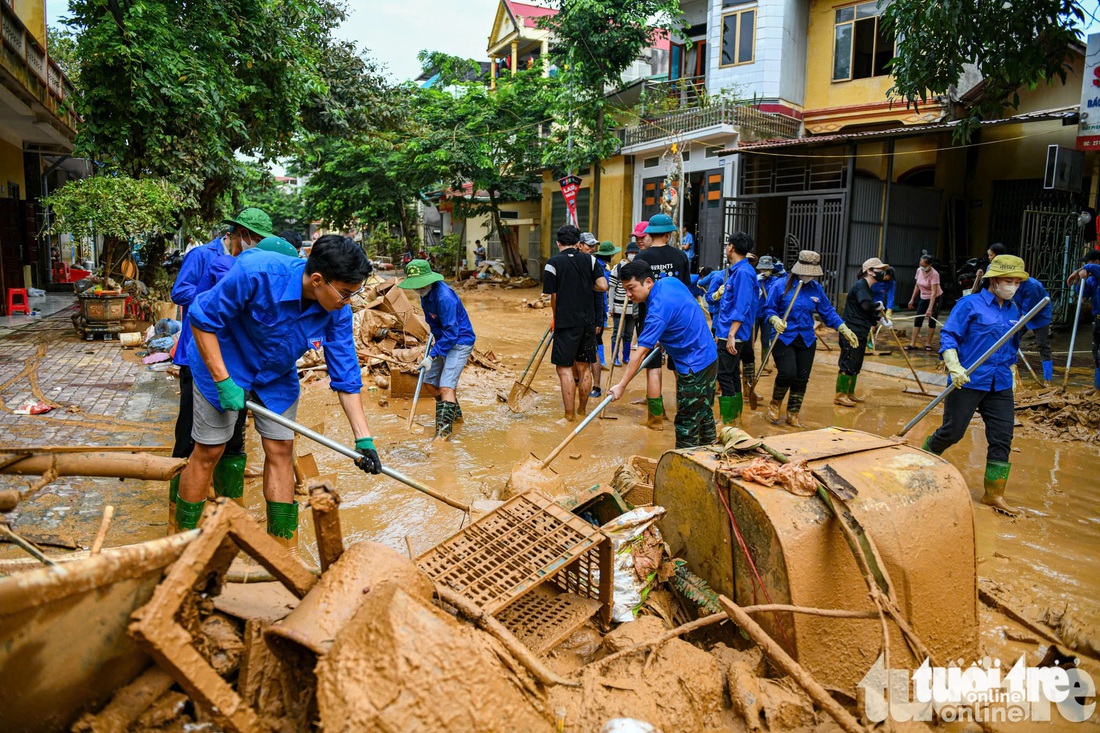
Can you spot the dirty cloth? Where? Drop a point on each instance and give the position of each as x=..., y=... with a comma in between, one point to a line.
x=795, y=476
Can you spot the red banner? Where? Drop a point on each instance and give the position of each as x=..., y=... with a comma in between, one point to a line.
x=569, y=187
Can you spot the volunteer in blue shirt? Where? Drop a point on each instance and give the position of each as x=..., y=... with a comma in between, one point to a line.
x=883, y=290
x=202, y=267
x=250, y=329
x=621, y=307
x=769, y=271
x=687, y=244
x=675, y=320
x=975, y=324
x=453, y=342
x=709, y=284
x=795, y=339
x=603, y=255
x=1091, y=270
x=1030, y=293
x=733, y=329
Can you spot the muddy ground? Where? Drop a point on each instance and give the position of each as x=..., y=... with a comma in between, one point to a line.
x=1049, y=558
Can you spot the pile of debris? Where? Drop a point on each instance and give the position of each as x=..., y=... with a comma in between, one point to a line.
x=493, y=273
x=390, y=339
x=1063, y=416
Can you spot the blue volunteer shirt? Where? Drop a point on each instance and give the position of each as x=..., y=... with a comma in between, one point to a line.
x=1092, y=287
x=739, y=302
x=447, y=317
x=1031, y=291
x=263, y=327
x=800, y=322
x=975, y=324
x=766, y=284
x=675, y=319
x=884, y=292
x=193, y=279
x=709, y=285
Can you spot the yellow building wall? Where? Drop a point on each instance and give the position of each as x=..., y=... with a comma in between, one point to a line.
x=33, y=15
x=11, y=169
x=616, y=204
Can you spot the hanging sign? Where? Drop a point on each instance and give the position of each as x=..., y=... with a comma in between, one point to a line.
x=1088, y=129
x=569, y=187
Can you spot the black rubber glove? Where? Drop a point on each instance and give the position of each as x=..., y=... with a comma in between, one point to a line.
x=370, y=462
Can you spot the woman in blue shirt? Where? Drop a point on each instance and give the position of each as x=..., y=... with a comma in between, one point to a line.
x=975, y=324
x=795, y=340
x=454, y=340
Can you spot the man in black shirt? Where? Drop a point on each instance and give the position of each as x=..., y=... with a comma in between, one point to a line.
x=663, y=261
x=570, y=278
x=861, y=313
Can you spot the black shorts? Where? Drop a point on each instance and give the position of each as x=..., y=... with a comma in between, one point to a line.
x=577, y=344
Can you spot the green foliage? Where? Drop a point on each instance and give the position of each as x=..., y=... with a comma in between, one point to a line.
x=451, y=69
x=286, y=209
x=178, y=90
x=115, y=206
x=1020, y=44
x=61, y=45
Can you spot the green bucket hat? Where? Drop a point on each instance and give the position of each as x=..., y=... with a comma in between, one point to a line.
x=253, y=220
x=419, y=274
x=660, y=224
x=277, y=245
x=1006, y=266
x=607, y=249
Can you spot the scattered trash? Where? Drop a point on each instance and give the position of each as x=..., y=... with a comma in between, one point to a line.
x=635, y=574
x=156, y=358
x=36, y=293
x=33, y=407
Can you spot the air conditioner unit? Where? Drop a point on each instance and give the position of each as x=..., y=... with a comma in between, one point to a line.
x=1064, y=169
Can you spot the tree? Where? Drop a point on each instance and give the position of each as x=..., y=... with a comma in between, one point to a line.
x=1019, y=44
x=595, y=42
x=287, y=209
x=489, y=140
x=61, y=46
x=119, y=208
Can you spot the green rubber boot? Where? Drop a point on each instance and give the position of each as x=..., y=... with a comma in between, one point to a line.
x=926, y=446
x=843, y=384
x=173, y=494
x=229, y=477
x=852, y=389
x=188, y=513
x=458, y=411
x=282, y=523
x=445, y=423
x=996, y=476
x=438, y=414
x=655, y=413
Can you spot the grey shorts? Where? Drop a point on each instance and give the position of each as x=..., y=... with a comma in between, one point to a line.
x=212, y=427
x=445, y=370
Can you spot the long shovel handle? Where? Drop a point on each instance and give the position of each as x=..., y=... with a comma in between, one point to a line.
x=350, y=453
x=419, y=384
x=534, y=353
x=776, y=336
x=592, y=416
x=908, y=360
x=616, y=341
x=1073, y=331
x=981, y=360
x=538, y=362
x=1020, y=353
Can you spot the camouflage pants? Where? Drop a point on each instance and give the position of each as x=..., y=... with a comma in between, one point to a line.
x=695, y=407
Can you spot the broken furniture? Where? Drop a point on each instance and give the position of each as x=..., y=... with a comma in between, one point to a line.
x=541, y=570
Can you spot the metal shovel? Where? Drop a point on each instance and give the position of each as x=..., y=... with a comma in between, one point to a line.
x=522, y=394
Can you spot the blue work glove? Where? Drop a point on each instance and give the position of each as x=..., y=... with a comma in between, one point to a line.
x=230, y=395
x=370, y=462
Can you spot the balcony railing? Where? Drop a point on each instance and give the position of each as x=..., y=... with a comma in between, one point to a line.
x=752, y=123
x=24, y=58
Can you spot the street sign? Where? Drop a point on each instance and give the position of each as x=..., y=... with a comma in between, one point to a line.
x=1088, y=129
x=571, y=184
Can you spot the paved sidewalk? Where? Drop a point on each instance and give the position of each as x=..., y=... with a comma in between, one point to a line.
x=102, y=395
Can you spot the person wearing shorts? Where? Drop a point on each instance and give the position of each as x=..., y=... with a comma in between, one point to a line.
x=570, y=278
x=249, y=331
x=453, y=341
x=927, y=295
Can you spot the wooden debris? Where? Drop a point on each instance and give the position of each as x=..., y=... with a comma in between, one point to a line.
x=324, y=503
x=128, y=704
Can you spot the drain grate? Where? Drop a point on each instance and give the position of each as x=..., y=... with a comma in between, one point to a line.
x=527, y=541
x=546, y=617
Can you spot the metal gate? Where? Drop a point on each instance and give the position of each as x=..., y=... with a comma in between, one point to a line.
x=818, y=223
x=1050, y=243
x=738, y=216
x=710, y=243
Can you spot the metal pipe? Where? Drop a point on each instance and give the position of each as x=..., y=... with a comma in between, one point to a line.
x=1073, y=330
x=419, y=383
x=775, y=337
x=981, y=360
x=350, y=453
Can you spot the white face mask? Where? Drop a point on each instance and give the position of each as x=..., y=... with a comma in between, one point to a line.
x=423, y=292
x=805, y=278
x=630, y=257
x=1005, y=291
x=925, y=268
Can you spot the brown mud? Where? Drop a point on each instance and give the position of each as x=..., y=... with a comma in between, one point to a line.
x=1048, y=558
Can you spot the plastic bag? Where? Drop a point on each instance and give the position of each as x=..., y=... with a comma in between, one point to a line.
x=630, y=590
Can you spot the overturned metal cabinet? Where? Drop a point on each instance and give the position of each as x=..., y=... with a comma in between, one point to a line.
x=914, y=506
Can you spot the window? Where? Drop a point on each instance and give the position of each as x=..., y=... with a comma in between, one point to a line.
x=738, y=37
x=687, y=155
x=862, y=47
x=651, y=162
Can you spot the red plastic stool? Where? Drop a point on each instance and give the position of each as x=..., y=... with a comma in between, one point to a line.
x=22, y=306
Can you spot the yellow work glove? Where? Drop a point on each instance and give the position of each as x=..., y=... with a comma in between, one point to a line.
x=889, y=314
x=1015, y=378
x=954, y=368
x=718, y=294
x=778, y=324
x=849, y=334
